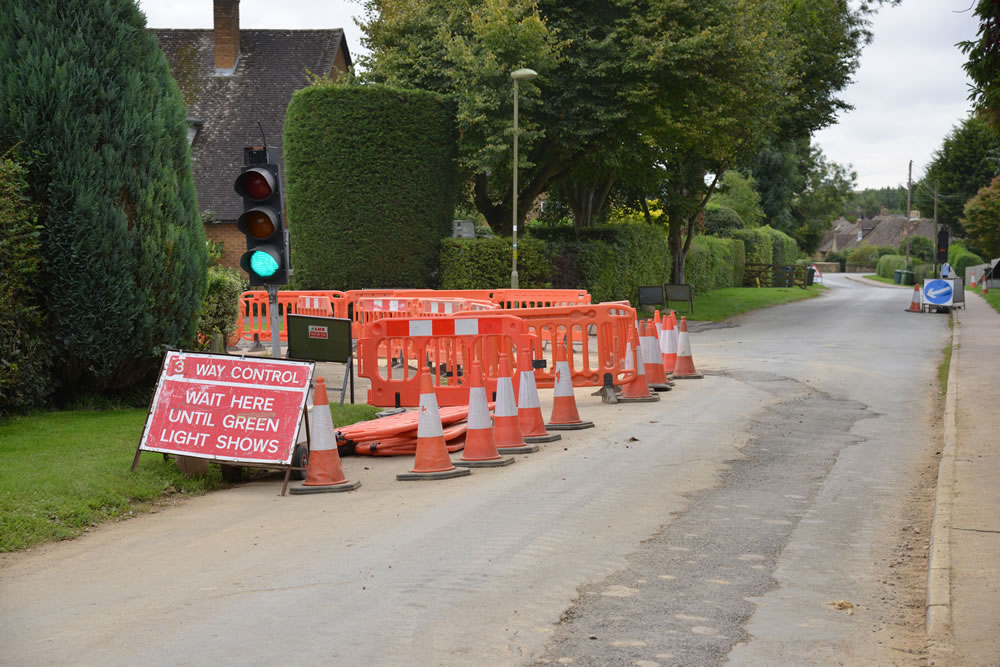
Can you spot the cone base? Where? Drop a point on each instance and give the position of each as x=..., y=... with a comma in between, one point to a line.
x=327, y=488
x=692, y=376
x=548, y=437
x=442, y=474
x=652, y=398
x=571, y=426
x=489, y=463
x=524, y=449
x=660, y=386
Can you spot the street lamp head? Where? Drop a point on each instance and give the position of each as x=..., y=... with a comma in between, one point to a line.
x=523, y=74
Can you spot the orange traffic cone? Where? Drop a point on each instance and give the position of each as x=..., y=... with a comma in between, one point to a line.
x=529, y=409
x=324, y=472
x=652, y=358
x=565, y=416
x=985, y=290
x=637, y=391
x=668, y=345
x=972, y=282
x=915, y=301
x=480, y=447
x=432, y=460
x=506, y=426
x=684, y=368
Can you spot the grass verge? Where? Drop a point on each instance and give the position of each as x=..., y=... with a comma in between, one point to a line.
x=878, y=278
x=64, y=472
x=721, y=304
x=943, y=370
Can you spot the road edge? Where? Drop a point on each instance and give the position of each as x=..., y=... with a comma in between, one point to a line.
x=938, y=604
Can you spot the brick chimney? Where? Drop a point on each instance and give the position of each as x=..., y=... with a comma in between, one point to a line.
x=227, y=35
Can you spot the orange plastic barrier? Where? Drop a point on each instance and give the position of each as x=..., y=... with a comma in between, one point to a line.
x=393, y=351
x=598, y=330
x=255, y=315
x=358, y=305
x=314, y=305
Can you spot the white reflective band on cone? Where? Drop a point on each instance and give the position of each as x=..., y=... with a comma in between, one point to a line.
x=506, y=406
x=429, y=420
x=528, y=391
x=684, y=347
x=479, y=411
x=322, y=429
x=564, y=383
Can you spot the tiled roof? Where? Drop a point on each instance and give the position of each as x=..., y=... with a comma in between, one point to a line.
x=272, y=65
x=880, y=230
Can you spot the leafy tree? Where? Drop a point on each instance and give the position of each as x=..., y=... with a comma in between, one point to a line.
x=921, y=248
x=968, y=160
x=801, y=191
x=983, y=65
x=870, y=201
x=738, y=193
x=86, y=86
x=982, y=219
x=722, y=220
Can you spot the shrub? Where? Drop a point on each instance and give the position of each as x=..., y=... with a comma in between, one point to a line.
x=123, y=247
x=765, y=245
x=964, y=260
x=24, y=367
x=839, y=257
x=714, y=263
x=722, y=221
x=486, y=263
x=921, y=248
x=221, y=306
x=889, y=264
x=372, y=183
x=922, y=272
x=863, y=255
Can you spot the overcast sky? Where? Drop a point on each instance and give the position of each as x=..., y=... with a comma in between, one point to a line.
x=908, y=93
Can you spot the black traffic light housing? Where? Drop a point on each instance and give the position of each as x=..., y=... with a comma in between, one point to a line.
x=266, y=259
x=941, y=256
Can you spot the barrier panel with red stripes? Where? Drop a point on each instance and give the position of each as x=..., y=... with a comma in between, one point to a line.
x=364, y=306
x=393, y=351
x=598, y=333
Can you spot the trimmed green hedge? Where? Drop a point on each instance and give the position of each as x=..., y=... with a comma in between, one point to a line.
x=371, y=185
x=765, y=245
x=486, y=263
x=713, y=263
x=962, y=258
x=25, y=380
x=889, y=264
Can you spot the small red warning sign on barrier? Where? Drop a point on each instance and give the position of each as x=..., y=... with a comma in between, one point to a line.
x=244, y=409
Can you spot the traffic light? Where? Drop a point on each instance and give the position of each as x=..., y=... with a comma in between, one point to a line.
x=266, y=259
x=942, y=247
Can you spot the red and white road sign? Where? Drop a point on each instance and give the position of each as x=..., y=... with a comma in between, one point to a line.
x=244, y=409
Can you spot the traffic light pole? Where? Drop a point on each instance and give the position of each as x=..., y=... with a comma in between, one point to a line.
x=272, y=309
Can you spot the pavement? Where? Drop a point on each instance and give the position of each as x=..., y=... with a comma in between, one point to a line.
x=963, y=585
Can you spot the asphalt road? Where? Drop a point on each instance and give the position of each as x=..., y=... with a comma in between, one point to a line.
x=713, y=526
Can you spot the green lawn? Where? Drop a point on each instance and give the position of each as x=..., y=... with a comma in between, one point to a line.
x=721, y=304
x=66, y=471
x=887, y=281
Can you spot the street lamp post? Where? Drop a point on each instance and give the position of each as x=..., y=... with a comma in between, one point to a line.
x=517, y=75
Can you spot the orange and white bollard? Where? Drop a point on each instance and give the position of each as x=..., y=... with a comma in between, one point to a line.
x=565, y=416
x=432, y=460
x=480, y=447
x=506, y=426
x=324, y=471
x=684, y=368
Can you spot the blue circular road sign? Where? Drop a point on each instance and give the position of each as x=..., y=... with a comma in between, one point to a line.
x=938, y=292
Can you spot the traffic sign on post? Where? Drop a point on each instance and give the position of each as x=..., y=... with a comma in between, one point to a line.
x=938, y=292
x=266, y=259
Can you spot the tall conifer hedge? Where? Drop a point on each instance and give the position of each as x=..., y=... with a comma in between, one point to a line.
x=371, y=181
x=87, y=87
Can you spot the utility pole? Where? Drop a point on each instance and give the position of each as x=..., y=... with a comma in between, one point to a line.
x=937, y=184
x=906, y=228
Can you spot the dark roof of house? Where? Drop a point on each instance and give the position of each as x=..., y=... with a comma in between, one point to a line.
x=272, y=65
x=880, y=230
